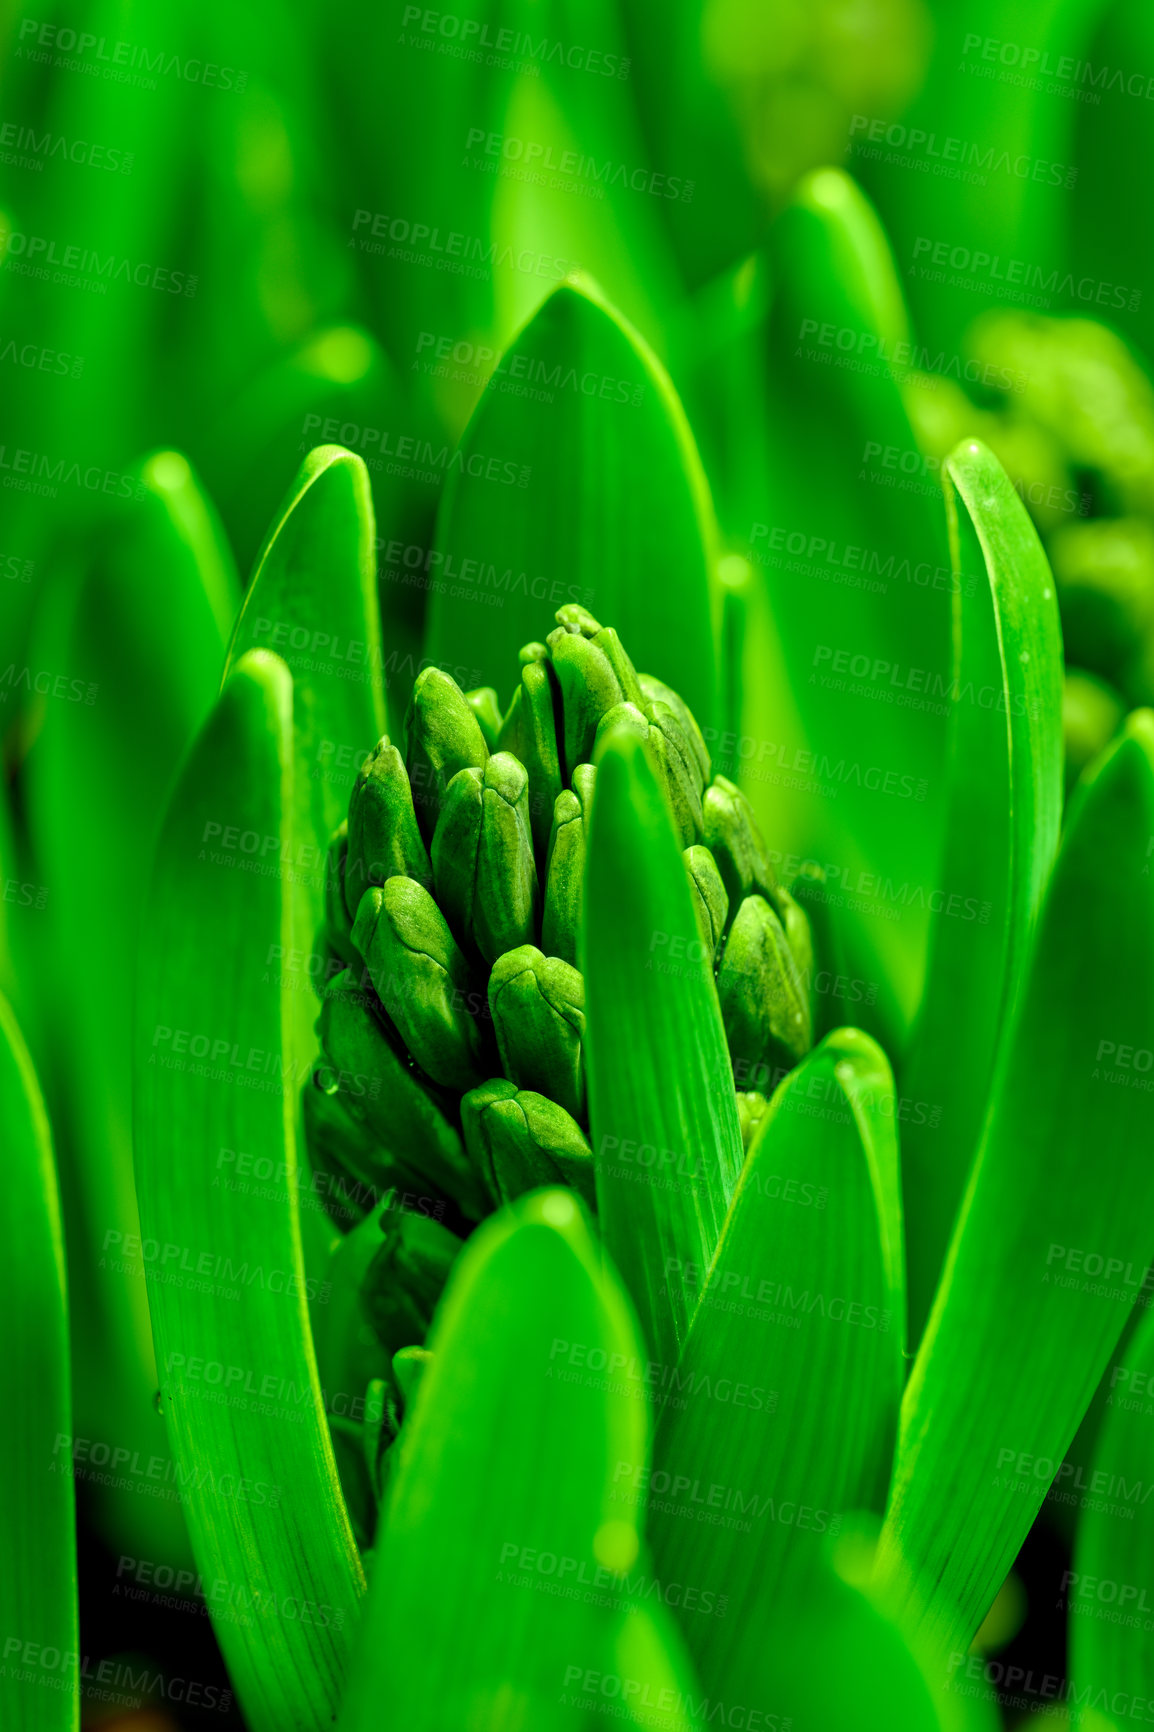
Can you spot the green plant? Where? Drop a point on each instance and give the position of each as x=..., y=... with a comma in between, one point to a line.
x=521, y=1431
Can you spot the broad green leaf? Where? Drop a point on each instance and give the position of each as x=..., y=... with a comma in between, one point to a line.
x=338, y=385
x=313, y=601
x=690, y=122
x=227, y=1287
x=1109, y=1588
x=1062, y=1193
x=843, y=759
x=782, y=1413
x=831, y=1661
x=663, y=1112
x=505, y=1554
x=587, y=488
x=1004, y=794
x=574, y=185
x=417, y=221
x=1003, y=213
x=133, y=635
x=37, y=1504
x=1116, y=129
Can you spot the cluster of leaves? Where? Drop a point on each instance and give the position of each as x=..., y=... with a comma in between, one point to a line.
x=716, y=553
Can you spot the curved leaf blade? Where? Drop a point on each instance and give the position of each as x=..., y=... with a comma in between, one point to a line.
x=1004, y=805
x=666, y=1138
x=37, y=1503
x=313, y=601
x=851, y=548
x=609, y=506
x=1063, y=1170
x=146, y=654
x=503, y=1558
x=1110, y=1647
x=227, y=1289
x=787, y=1392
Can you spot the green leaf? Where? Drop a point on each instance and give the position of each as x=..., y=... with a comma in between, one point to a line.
x=1001, y=215
x=844, y=751
x=504, y=1555
x=691, y=126
x=1018, y=1337
x=227, y=1287
x=37, y=1504
x=597, y=497
x=1109, y=1589
x=665, y=1133
x=784, y=1407
x=313, y=601
x=142, y=659
x=1004, y=806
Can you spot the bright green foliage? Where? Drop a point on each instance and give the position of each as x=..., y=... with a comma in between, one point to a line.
x=37, y=1508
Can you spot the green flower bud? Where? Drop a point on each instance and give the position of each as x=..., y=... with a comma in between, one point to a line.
x=351, y=1172
x=529, y=732
x=763, y=1003
x=522, y=1141
x=796, y=922
x=589, y=688
x=484, y=705
x=614, y=652
x=533, y=652
x=409, y=1366
x=574, y=618
x=406, y=1277
x=538, y=1008
x=423, y=981
x=654, y=692
x=565, y=867
x=733, y=838
x=383, y=836
x=751, y=1109
x=483, y=857
x=442, y=737
x=670, y=769
x=671, y=750
x=710, y=903
x=378, y=1088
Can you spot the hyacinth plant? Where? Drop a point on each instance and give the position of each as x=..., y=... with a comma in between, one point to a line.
x=525, y=1225
x=526, y=1230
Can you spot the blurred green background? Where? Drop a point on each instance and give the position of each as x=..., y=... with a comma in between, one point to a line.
x=232, y=233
